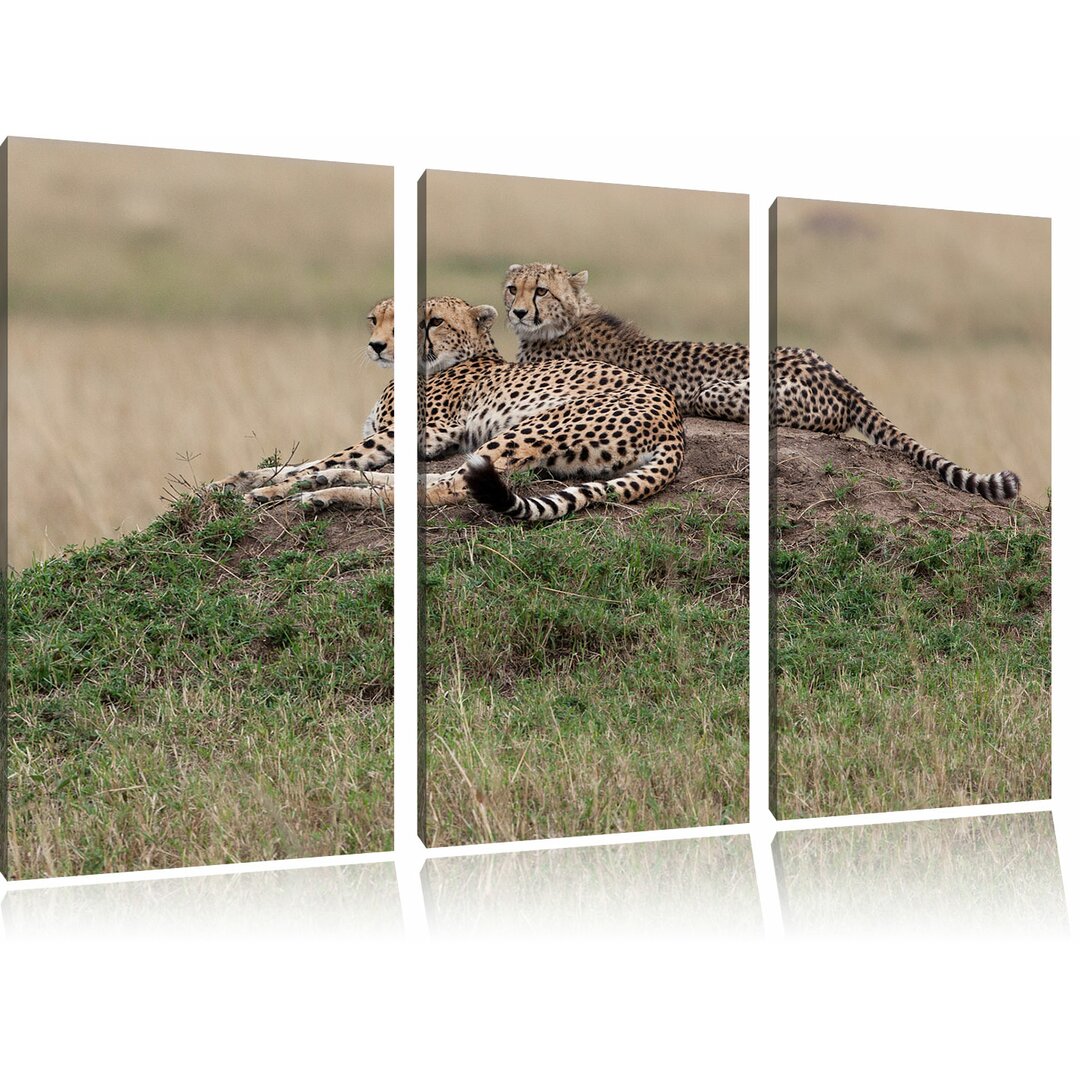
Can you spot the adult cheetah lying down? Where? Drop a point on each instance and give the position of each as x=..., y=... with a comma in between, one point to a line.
x=617, y=433
x=553, y=316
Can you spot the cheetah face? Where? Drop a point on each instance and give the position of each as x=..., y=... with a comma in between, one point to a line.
x=451, y=331
x=543, y=301
x=380, y=348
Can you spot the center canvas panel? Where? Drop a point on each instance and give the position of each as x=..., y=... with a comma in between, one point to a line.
x=584, y=532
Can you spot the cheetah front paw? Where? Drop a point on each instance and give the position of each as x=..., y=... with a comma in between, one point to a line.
x=313, y=502
x=250, y=480
x=265, y=495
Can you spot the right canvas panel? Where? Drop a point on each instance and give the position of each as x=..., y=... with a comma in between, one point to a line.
x=910, y=508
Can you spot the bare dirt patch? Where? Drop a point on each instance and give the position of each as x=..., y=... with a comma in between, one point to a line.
x=279, y=527
x=816, y=476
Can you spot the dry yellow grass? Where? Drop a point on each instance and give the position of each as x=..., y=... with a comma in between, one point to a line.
x=941, y=318
x=167, y=303
x=151, y=800
x=497, y=780
x=102, y=412
x=913, y=753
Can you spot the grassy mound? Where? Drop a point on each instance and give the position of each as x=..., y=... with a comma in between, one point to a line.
x=192, y=694
x=911, y=640
x=587, y=675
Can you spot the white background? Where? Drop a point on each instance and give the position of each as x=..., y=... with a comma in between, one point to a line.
x=945, y=105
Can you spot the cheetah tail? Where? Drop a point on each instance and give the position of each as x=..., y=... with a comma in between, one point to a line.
x=995, y=487
x=489, y=488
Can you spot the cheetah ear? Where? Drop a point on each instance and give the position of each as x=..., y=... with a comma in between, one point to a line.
x=517, y=267
x=484, y=315
x=579, y=280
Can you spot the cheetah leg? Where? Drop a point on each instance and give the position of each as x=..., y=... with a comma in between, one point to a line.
x=336, y=470
x=450, y=488
x=443, y=488
x=438, y=488
x=723, y=400
x=324, y=479
x=253, y=478
x=354, y=497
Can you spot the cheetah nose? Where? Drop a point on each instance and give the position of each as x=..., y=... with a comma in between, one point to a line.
x=378, y=347
x=520, y=313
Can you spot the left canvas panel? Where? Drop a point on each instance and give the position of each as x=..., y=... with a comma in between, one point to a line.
x=199, y=641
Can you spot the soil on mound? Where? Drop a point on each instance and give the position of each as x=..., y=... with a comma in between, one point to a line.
x=282, y=527
x=815, y=476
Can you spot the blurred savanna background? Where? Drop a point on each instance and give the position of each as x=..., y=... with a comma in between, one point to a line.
x=674, y=262
x=179, y=313
x=941, y=318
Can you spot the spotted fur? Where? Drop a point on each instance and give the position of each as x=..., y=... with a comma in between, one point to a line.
x=616, y=433
x=807, y=392
x=554, y=317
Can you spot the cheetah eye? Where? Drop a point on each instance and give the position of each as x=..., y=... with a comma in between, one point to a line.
x=541, y=291
x=371, y=319
x=433, y=322
x=511, y=289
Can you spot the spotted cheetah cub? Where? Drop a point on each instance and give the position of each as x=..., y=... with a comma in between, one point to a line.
x=553, y=316
x=617, y=433
x=807, y=392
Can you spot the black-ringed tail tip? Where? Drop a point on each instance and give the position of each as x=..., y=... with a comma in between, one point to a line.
x=488, y=487
x=998, y=487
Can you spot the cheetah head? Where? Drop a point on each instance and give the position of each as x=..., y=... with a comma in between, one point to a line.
x=543, y=301
x=380, y=348
x=452, y=330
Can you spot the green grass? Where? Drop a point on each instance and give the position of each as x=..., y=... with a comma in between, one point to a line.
x=912, y=667
x=587, y=676
x=180, y=697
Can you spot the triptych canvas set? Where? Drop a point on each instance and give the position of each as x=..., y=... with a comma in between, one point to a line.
x=201, y=358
